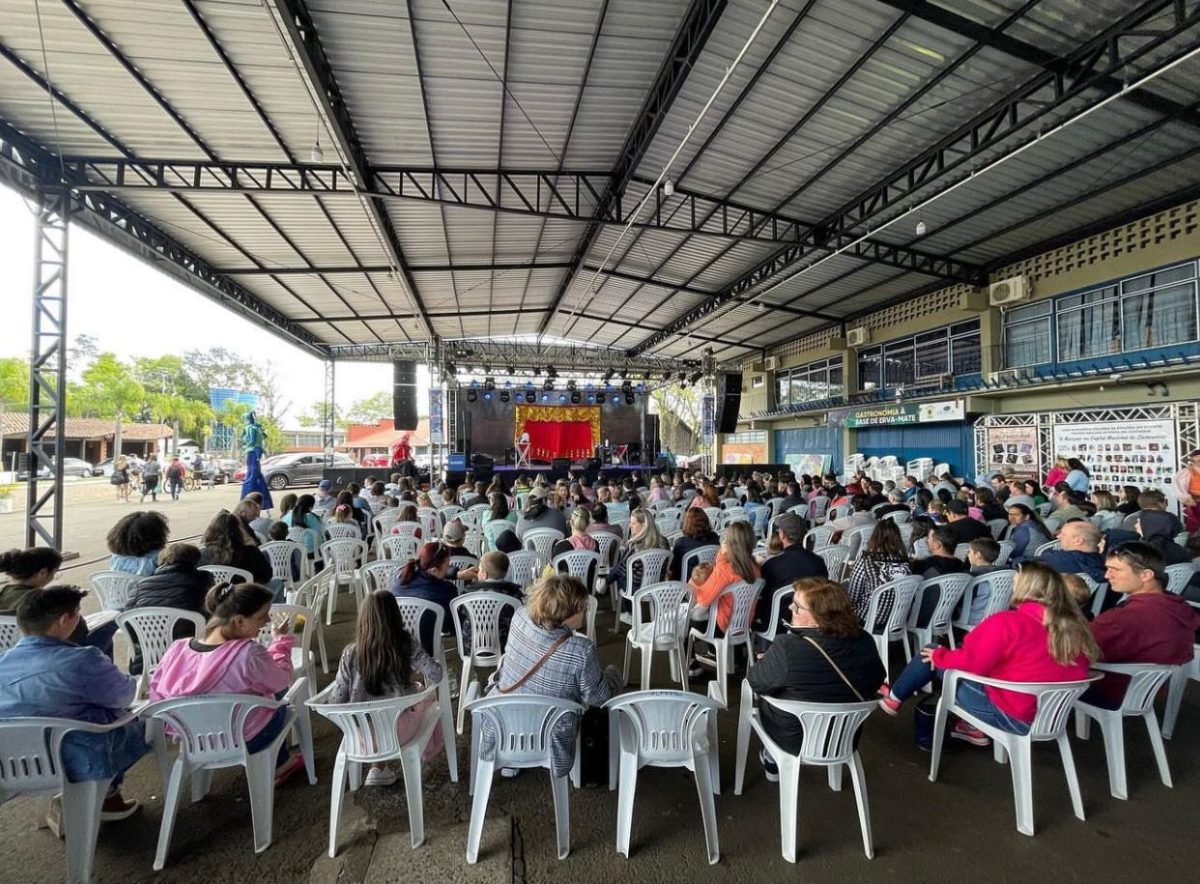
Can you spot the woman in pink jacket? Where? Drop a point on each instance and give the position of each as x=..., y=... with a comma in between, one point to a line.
x=1043, y=638
x=229, y=660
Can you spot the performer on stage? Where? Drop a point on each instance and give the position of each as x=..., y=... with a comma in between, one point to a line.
x=253, y=440
x=402, y=460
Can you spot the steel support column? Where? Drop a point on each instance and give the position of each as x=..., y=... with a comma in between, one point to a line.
x=329, y=416
x=48, y=371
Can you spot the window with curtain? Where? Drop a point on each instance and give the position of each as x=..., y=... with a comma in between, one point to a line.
x=806, y=383
x=870, y=365
x=1089, y=325
x=1027, y=335
x=922, y=358
x=1159, y=308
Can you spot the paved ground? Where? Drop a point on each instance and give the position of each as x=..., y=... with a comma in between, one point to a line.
x=961, y=827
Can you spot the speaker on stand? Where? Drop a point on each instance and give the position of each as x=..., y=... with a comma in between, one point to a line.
x=728, y=401
x=404, y=394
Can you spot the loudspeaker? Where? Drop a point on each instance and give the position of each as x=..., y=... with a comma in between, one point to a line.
x=561, y=463
x=454, y=478
x=729, y=400
x=482, y=461
x=404, y=395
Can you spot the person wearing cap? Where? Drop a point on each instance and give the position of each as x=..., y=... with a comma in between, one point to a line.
x=453, y=536
x=1187, y=489
x=538, y=514
x=794, y=563
x=47, y=675
x=325, y=498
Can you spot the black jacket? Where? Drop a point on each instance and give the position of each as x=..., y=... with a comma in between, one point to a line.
x=248, y=558
x=935, y=566
x=794, y=670
x=685, y=545
x=993, y=511
x=783, y=570
x=966, y=530
x=170, y=586
x=501, y=586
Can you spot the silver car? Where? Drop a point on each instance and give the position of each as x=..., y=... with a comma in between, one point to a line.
x=297, y=469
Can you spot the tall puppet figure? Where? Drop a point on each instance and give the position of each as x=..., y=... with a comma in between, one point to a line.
x=252, y=440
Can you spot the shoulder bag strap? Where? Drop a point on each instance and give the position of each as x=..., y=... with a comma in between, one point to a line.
x=562, y=639
x=836, y=668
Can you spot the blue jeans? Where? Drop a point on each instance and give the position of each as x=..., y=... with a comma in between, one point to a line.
x=970, y=695
x=100, y=756
x=102, y=638
x=272, y=730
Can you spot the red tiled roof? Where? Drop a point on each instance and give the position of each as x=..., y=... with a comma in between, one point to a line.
x=17, y=424
x=381, y=436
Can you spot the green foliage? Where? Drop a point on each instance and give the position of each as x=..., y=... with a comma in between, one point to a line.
x=370, y=410
x=108, y=388
x=14, y=383
x=314, y=416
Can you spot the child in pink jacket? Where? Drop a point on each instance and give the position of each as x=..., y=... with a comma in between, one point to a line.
x=1044, y=639
x=229, y=660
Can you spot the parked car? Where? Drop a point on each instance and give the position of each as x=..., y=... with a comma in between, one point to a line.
x=375, y=460
x=72, y=466
x=302, y=468
x=105, y=467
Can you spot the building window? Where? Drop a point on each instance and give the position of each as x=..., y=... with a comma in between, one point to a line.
x=1140, y=313
x=808, y=383
x=921, y=359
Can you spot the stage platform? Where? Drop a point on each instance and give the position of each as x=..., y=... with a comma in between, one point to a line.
x=553, y=474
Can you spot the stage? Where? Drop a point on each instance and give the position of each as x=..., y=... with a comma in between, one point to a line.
x=575, y=470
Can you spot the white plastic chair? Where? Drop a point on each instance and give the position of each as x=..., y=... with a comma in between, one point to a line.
x=461, y=563
x=961, y=550
x=997, y=527
x=210, y=729
x=652, y=564
x=835, y=558
x=1000, y=588
x=607, y=545
x=829, y=731
x=383, y=522
x=900, y=517
x=431, y=522
x=715, y=514
x=667, y=521
x=411, y=612
x=856, y=538
x=1145, y=679
x=228, y=573
x=10, y=632
x=522, y=568
x=818, y=537
x=398, y=547
x=895, y=627
x=582, y=564
x=312, y=594
x=369, y=736
x=493, y=528
x=1006, y=548
x=950, y=592
x=733, y=514
x=281, y=554
x=153, y=629
x=1187, y=672
x=449, y=513
x=303, y=661
x=483, y=610
x=706, y=553
x=1178, y=577
x=469, y=519
x=1054, y=703
x=818, y=510
x=31, y=764
x=343, y=556
x=407, y=529
x=779, y=598
x=342, y=531
x=540, y=541
x=521, y=727
x=114, y=588
x=673, y=729
x=668, y=605
x=745, y=598
x=1045, y=547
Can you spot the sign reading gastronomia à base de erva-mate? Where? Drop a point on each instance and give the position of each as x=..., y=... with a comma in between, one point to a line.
x=885, y=415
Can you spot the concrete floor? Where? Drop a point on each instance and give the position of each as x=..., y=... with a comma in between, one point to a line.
x=961, y=826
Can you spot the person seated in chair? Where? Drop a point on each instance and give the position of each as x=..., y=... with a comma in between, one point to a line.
x=490, y=575
x=47, y=675
x=941, y=560
x=1079, y=551
x=895, y=504
x=453, y=536
x=961, y=525
x=792, y=564
x=1149, y=626
x=33, y=569
x=859, y=515
x=822, y=656
x=178, y=582
x=1067, y=508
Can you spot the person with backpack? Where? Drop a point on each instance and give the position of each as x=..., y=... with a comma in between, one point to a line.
x=175, y=473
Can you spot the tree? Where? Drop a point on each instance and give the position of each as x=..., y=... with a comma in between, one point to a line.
x=679, y=417
x=14, y=383
x=108, y=389
x=81, y=353
x=271, y=404
x=167, y=375
x=218, y=367
x=314, y=416
x=370, y=410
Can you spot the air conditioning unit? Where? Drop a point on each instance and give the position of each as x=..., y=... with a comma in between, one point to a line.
x=1011, y=375
x=1009, y=291
x=857, y=337
x=771, y=363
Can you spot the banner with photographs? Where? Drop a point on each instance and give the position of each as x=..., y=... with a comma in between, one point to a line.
x=1015, y=448
x=1141, y=453
x=808, y=464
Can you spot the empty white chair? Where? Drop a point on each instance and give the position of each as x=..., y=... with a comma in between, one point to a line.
x=818, y=537
x=1178, y=577
x=521, y=728
x=540, y=541
x=382, y=523
x=780, y=598
x=745, y=597
x=692, y=558
x=835, y=558
x=379, y=574
x=469, y=519
x=343, y=556
x=449, y=513
x=483, y=610
x=228, y=573
x=31, y=764
x=10, y=632
x=1006, y=548
x=663, y=630
x=1054, y=703
x=734, y=514
x=997, y=527
x=210, y=729
x=282, y=554
x=342, y=531
x=818, y=510
x=114, y=588
x=950, y=588
x=582, y=564
x=370, y=736
x=641, y=569
x=829, y=731
x=1187, y=672
x=154, y=629
x=399, y=547
x=522, y=568
x=1145, y=679
x=607, y=545
x=665, y=729
x=412, y=611
x=998, y=585
x=895, y=626
x=667, y=521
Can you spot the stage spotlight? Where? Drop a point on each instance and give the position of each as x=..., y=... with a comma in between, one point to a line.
x=487, y=395
x=641, y=388
x=571, y=385
x=472, y=396
x=530, y=397
x=548, y=385
x=592, y=398
x=576, y=397
x=629, y=399
x=489, y=383
x=551, y=371
x=562, y=397
x=545, y=397
x=504, y=396
x=600, y=397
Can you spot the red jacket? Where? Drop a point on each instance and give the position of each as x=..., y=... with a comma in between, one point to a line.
x=1148, y=627
x=1011, y=646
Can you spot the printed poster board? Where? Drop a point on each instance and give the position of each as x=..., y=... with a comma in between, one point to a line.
x=1117, y=453
x=1015, y=448
x=808, y=464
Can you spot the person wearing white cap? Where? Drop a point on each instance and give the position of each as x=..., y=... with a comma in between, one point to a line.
x=538, y=514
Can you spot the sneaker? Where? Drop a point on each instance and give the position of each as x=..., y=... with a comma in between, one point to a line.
x=117, y=807
x=888, y=704
x=770, y=768
x=289, y=767
x=509, y=772
x=381, y=776
x=966, y=733
x=697, y=671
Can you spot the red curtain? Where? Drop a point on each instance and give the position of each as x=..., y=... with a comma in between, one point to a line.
x=549, y=439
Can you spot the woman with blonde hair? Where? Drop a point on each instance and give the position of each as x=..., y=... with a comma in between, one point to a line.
x=1106, y=516
x=120, y=478
x=1043, y=638
x=579, y=538
x=1058, y=472
x=644, y=534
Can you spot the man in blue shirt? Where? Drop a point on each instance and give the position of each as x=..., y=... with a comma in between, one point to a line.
x=45, y=674
x=1079, y=551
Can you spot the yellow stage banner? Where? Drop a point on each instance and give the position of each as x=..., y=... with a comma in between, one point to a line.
x=556, y=413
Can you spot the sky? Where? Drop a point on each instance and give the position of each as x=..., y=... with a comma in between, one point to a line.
x=133, y=310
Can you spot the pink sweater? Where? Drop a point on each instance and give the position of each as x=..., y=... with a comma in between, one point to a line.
x=235, y=667
x=1011, y=646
